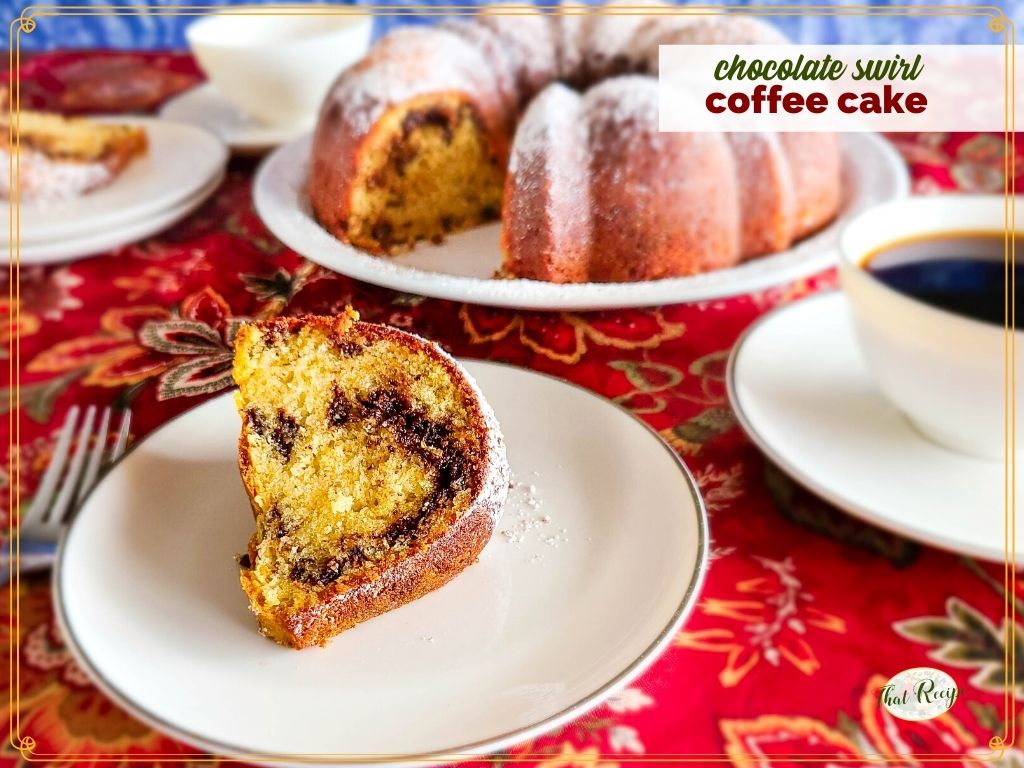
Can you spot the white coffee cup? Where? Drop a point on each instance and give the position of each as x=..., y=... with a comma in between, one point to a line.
x=277, y=68
x=946, y=372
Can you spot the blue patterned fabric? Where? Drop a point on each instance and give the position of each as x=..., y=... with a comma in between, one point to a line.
x=147, y=31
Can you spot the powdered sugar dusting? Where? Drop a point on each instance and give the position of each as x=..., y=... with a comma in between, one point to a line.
x=44, y=181
x=526, y=520
x=532, y=50
x=547, y=126
x=549, y=188
x=494, y=490
x=664, y=203
x=609, y=40
x=630, y=100
x=500, y=59
x=568, y=35
x=408, y=62
x=530, y=40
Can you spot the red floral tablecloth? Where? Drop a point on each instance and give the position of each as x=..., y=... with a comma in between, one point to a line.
x=805, y=611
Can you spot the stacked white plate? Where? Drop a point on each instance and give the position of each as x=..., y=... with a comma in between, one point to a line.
x=181, y=168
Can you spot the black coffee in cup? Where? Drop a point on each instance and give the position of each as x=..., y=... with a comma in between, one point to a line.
x=961, y=272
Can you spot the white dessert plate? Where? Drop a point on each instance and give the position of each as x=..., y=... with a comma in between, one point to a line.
x=803, y=394
x=97, y=242
x=180, y=161
x=205, y=107
x=462, y=268
x=587, y=578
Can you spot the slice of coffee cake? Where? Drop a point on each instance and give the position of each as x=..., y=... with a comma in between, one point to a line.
x=375, y=470
x=62, y=157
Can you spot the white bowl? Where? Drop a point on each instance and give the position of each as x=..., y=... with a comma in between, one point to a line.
x=945, y=371
x=277, y=68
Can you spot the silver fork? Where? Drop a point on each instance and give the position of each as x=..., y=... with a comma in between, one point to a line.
x=67, y=480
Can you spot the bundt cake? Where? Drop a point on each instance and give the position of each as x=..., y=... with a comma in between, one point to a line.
x=396, y=161
x=61, y=158
x=550, y=120
x=375, y=470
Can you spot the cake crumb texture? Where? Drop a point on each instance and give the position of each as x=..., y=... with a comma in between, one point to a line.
x=372, y=467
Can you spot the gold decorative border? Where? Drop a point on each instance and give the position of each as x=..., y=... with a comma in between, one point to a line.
x=998, y=23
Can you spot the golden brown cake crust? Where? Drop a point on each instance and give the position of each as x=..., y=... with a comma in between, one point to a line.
x=412, y=578
x=435, y=557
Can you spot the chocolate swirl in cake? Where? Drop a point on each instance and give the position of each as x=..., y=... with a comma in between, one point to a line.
x=374, y=468
x=281, y=433
x=416, y=433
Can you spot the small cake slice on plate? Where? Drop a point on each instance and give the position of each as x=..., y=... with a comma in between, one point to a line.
x=375, y=470
x=64, y=157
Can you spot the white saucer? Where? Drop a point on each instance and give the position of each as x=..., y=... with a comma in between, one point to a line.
x=205, y=107
x=462, y=268
x=92, y=243
x=180, y=161
x=802, y=393
x=553, y=618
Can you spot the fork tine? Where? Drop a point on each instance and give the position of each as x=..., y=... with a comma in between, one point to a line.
x=92, y=466
x=57, y=461
x=67, y=489
x=122, y=435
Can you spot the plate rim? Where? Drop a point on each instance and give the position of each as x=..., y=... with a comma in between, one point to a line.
x=267, y=139
x=462, y=752
x=141, y=229
x=836, y=499
x=588, y=296
x=146, y=209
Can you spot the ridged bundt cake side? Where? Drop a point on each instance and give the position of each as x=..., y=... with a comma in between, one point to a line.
x=547, y=230
x=662, y=204
x=816, y=164
x=375, y=470
x=603, y=195
x=665, y=204
x=767, y=193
